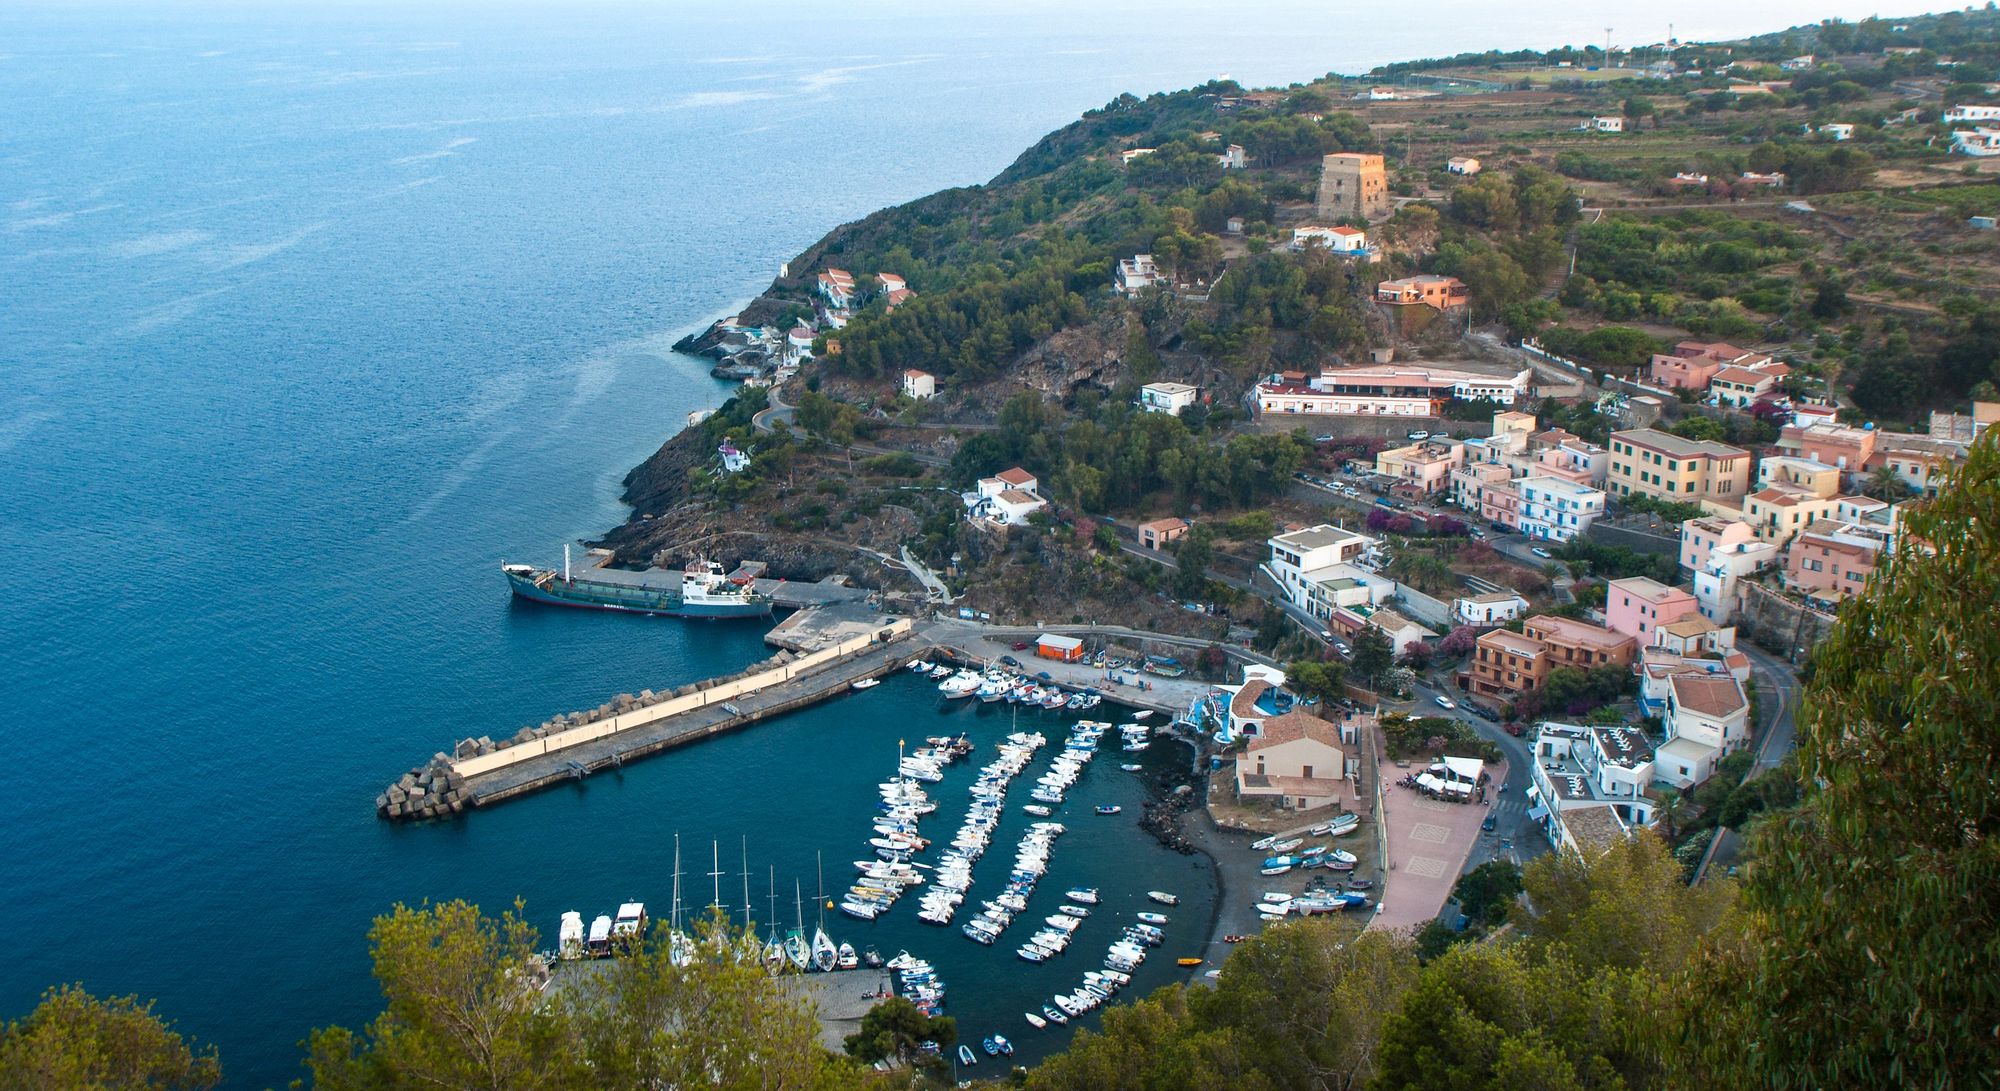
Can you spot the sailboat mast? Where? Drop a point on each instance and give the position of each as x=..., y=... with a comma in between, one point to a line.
x=677, y=882
x=774, y=903
x=819, y=859
x=747, y=920
x=715, y=874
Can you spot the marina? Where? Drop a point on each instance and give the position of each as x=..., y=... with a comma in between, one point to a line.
x=1093, y=877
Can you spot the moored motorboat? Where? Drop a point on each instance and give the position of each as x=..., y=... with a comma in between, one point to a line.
x=1153, y=918
x=1108, y=808
x=965, y=1055
x=848, y=960
x=867, y=683
x=1035, y=1021
x=1163, y=897
x=1085, y=895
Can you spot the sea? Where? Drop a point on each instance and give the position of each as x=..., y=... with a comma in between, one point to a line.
x=312, y=314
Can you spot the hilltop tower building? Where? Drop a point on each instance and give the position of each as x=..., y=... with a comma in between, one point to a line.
x=1352, y=184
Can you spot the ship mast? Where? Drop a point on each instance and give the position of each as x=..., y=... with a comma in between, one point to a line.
x=715, y=874
x=566, y=578
x=677, y=850
x=748, y=923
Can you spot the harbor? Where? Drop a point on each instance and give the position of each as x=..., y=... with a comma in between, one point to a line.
x=831, y=803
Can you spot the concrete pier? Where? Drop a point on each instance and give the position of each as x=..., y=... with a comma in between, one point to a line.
x=571, y=747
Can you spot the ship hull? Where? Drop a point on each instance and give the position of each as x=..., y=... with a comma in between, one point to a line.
x=587, y=595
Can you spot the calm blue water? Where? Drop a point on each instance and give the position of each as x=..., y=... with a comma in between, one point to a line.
x=308, y=319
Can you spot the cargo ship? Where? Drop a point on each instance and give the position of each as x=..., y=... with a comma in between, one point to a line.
x=703, y=590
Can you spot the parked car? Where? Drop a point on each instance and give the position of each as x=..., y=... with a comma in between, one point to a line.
x=1342, y=647
x=1019, y=645
x=1419, y=434
x=1327, y=438
x=1540, y=552
x=1514, y=728
x=1009, y=661
x=1444, y=702
x=1326, y=634
x=1488, y=824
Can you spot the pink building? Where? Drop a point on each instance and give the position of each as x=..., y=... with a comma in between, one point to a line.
x=1500, y=503
x=1693, y=363
x=1574, y=460
x=1831, y=561
x=1834, y=444
x=1701, y=537
x=1638, y=606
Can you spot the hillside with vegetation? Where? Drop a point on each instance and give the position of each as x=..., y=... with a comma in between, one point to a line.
x=1856, y=950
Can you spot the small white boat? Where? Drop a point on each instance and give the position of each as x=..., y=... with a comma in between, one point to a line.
x=848, y=958
x=1144, y=713
x=1037, y=809
x=1263, y=844
x=1287, y=845
x=825, y=956
x=1163, y=897
x=1035, y=1021
x=1152, y=918
x=867, y=683
x=1276, y=897
x=1279, y=870
x=1129, y=767
x=1087, y=895
x=1273, y=912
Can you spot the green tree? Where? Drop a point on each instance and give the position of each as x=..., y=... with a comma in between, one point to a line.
x=1884, y=483
x=1373, y=654
x=895, y=1028
x=1314, y=678
x=1487, y=892
x=1193, y=554
x=1702, y=428
x=1869, y=956
x=74, y=1040
x=1627, y=907
x=460, y=1010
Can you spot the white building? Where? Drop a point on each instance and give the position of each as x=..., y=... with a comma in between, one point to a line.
x=1386, y=390
x=1016, y=478
x=921, y=385
x=1013, y=506
x=1462, y=164
x=1707, y=717
x=1556, y=509
x=1486, y=611
x=1168, y=398
x=1982, y=141
x=1588, y=784
x=1338, y=239
x=1300, y=559
x=799, y=343
x=836, y=286
x=1965, y=111
x=1604, y=125
x=1137, y=273
x=1130, y=154
x=1344, y=587
x=1233, y=158
x=1837, y=130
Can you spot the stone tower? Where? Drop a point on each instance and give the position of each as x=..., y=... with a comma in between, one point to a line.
x=1352, y=184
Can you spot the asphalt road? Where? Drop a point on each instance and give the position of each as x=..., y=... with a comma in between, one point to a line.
x=1777, y=737
x=1513, y=837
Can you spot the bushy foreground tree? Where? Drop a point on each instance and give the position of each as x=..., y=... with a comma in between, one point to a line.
x=468, y=1007
x=74, y=1040
x=1870, y=958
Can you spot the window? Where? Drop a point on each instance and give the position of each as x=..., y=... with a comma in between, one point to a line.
x=1307, y=772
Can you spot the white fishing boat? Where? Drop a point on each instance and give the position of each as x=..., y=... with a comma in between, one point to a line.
x=849, y=958
x=1035, y=1021
x=1287, y=845
x=921, y=666
x=1153, y=918
x=1086, y=895
x=569, y=936
x=1265, y=843
x=1163, y=897
x=867, y=683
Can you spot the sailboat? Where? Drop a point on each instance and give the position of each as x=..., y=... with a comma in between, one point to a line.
x=680, y=949
x=824, y=953
x=747, y=947
x=774, y=952
x=795, y=939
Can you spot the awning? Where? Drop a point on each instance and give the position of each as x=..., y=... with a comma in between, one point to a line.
x=1537, y=813
x=1534, y=793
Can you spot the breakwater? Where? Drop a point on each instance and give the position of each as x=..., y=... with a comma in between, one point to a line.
x=481, y=771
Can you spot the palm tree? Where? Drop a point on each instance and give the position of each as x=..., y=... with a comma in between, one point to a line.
x=1885, y=484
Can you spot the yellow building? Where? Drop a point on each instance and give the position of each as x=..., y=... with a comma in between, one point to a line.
x=1652, y=463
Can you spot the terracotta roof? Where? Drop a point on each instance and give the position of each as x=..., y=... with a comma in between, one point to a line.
x=1573, y=631
x=1293, y=726
x=1742, y=375
x=1169, y=523
x=1691, y=625
x=1594, y=827
x=1709, y=694
x=1513, y=642
x=1016, y=496
x=1245, y=702
x=1015, y=476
